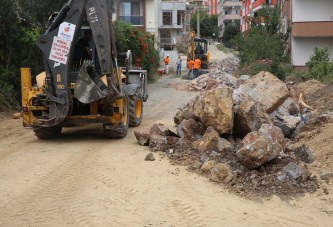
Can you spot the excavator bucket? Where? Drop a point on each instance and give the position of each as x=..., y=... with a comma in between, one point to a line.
x=88, y=87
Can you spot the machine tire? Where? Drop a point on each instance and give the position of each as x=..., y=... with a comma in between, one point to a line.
x=135, y=109
x=118, y=131
x=49, y=132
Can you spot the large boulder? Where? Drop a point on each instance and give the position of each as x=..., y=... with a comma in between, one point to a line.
x=287, y=124
x=275, y=134
x=142, y=135
x=209, y=142
x=259, y=152
x=249, y=116
x=189, y=131
x=185, y=112
x=215, y=108
x=264, y=88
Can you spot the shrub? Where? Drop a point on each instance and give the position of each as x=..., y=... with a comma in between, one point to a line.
x=319, y=66
x=141, y=44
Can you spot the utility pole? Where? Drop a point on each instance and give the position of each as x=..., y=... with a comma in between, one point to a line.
x=198, y=24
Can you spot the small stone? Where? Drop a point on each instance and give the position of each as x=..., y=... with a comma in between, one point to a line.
x=304, y=153
x=293, y=171
x=16, y=115
x=150, y=157
x=207, y=166
x=326, y=176
x=204, y=158
x=214, y=154
x=196, y=165
x=282, y=177
x=170, y=151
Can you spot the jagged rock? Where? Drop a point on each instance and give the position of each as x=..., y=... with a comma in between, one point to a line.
x=189, y=131
x=264, y=88
x=293, y=171
x=221, y=173
x=210, y=141
x=289, y=107
x=214, y=108
x=275, y=134
x=207, y=166
x=249, y=116
x=150, y=157
x=326, y=176
x=259, y=152
x=304, y=153
x=159, y=129
x=248, y=139
x=287, y=124
x=226, y=146
x=241, y=79
x=158, y=143
x=142, y=135
x=185, y=112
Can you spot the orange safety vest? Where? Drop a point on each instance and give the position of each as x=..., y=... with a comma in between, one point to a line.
x=197, y=63
x=190, y=64
x=166, y=61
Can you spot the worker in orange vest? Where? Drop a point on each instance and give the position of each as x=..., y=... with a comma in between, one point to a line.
x=197, y=66
x=190, y=65
x=166, y=63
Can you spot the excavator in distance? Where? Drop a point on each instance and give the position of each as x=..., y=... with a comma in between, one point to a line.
x=198, y=48
x=76, y=88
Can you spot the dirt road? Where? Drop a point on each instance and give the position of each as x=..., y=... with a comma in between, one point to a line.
x=83, y=179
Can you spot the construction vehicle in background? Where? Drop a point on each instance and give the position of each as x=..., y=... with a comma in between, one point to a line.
x=198, y=48
x=77, y=88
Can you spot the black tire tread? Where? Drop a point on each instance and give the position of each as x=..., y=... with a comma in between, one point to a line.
x=133, y=120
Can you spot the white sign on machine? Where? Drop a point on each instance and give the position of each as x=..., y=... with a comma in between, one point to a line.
x=62, y=43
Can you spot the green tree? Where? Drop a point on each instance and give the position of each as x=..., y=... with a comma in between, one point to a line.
x=208, y=24
x=230, y=31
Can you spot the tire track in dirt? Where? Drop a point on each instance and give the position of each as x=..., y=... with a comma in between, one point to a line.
x=52, y=199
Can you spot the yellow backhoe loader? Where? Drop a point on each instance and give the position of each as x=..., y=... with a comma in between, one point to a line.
x=82, y=82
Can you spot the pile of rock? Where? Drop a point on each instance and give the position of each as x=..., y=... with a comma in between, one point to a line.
x=239, y=135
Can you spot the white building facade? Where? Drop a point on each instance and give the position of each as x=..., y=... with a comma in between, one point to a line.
x=311, y=26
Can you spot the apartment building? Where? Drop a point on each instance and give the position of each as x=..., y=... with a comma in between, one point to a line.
x=229, y=13
x=163, y=18
x=311, y=26
x=212, y=6
x=171, y=16
x=250, y=9
x=140, y=13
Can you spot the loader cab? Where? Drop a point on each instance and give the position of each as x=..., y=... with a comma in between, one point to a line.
x=201, y=46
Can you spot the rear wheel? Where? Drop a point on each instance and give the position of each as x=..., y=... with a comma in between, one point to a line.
x=135, y=109
x=118, y=131
x=49, y=132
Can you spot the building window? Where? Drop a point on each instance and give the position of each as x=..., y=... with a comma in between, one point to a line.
x=131, y=13
x=167, y=18
x=180, y=17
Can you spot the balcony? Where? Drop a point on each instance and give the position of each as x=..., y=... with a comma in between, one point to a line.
x=230, y=4
x=258, y=3
x=134, y=20
x=312, y=29
x=231, y=17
